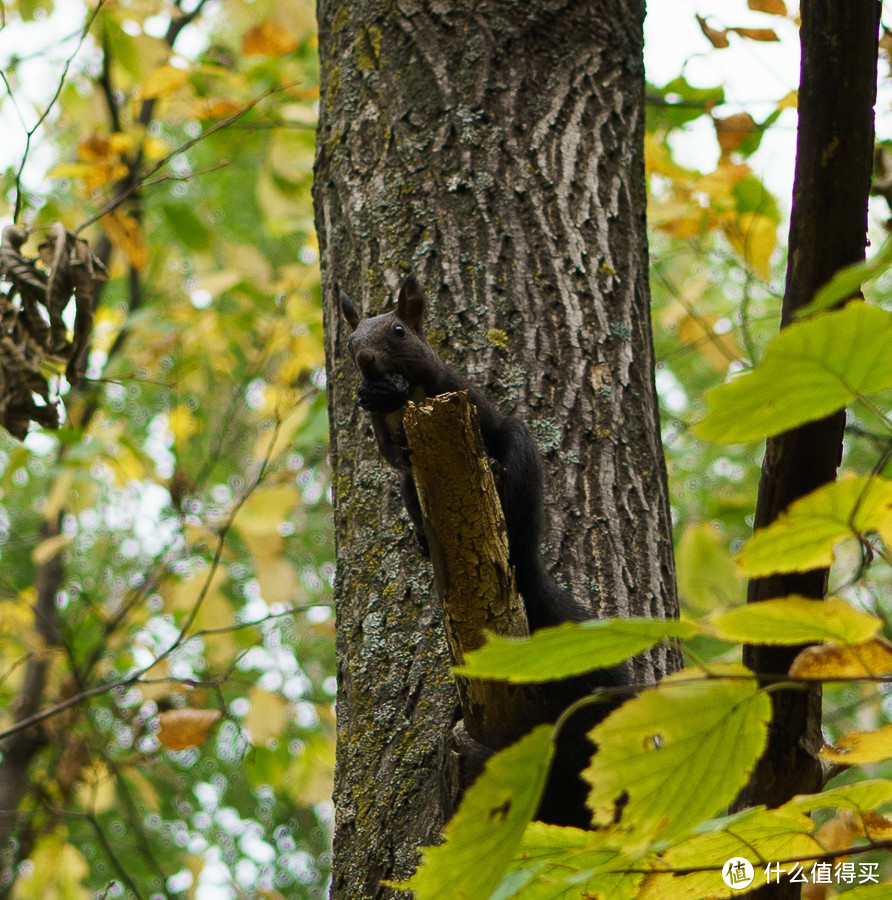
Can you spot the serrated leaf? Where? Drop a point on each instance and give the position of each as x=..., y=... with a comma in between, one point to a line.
x=569, y=649
x=796, y=620
x=811, y=369
x=685, y=731
x=552, y=860
x=481, y=838
x=858, y=748
x=861, y=797
x=756, y=834
x=848, y=280
x=803, y=536
x=829, y=662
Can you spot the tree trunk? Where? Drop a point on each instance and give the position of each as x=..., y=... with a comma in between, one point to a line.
x=834, y=157
x=495, y=149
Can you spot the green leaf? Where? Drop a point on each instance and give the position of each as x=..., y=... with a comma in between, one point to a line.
x=707, y=575
x=847, y=281
x=755, y=834
x=862, y=796
x=481, y=838
x=811, y=369
x=796, y=620
x=569, y=649
x=551, y=860
x=187, y=227
x=803, y=537
x=678, y=753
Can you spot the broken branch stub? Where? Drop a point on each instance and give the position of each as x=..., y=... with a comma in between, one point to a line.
x=466, y=534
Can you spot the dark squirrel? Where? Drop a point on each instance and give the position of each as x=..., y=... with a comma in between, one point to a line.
x=398, y=364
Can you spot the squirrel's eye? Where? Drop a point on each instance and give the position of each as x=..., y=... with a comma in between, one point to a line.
x=398, y=330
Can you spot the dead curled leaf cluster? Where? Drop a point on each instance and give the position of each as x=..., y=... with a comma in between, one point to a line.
x=32, y=331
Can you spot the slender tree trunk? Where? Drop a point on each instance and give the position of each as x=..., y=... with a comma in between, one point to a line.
x=495, y=149
x=834, y=158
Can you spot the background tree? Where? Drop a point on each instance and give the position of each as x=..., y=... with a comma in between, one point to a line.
x=498, y=155
x=164, y=564
x=167, y=675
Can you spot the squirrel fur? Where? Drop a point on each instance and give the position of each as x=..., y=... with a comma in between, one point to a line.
x=398, y=364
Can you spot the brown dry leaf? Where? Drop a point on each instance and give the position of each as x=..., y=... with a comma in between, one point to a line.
x=827, y=662
x=772, y=7
x=861, y=747
x=733, y=131
x=840, y=832
x=718, y=39
x=877, y=826
x=268, y=39
x=757, y=34
x=184, y=728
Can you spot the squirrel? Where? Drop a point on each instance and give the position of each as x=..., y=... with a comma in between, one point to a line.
x=398, y=364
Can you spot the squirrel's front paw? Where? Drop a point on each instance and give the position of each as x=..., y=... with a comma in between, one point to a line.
x=383, y=394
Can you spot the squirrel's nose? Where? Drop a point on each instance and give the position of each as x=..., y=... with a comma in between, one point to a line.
x=367, y=363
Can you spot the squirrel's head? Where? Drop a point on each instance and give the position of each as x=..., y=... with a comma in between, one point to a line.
x=393, y=342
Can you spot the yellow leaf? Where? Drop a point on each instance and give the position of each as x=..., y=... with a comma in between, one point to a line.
x=154, y=148
x=258, y=521
x=754, y=238
x=120, y=143
x=125, y=232
x=96, y=790
x=789, y=101
x=717, y=350
x=872, y=659
x=182, y=425
x=56, y=873
x=283, y=436
x=858, y=748
x=268, y=39
x=214, y=611
x=49, y=548
x=106, y=327
x=183, y=728
x=772, y=7
x=267, y=717
x=757, y=34
x=278, y=580
x=163, y=81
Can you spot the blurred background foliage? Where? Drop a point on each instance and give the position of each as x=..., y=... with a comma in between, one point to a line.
x=180, y=517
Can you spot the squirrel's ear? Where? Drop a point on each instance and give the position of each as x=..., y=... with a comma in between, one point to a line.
x=411, y=303
x=349, y=312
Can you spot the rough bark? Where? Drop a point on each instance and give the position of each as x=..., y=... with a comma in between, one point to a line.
x=833, y=168
x=495, y=149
